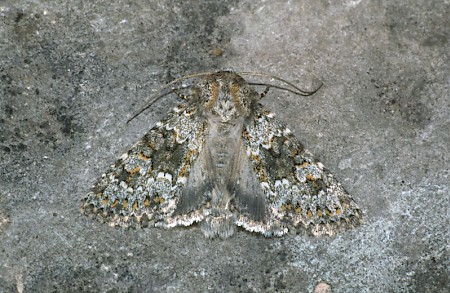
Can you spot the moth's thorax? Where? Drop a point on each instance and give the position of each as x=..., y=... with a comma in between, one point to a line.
x=225, y=96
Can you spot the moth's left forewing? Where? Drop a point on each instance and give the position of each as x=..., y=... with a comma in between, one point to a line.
x=144, y=186
x=300, y=194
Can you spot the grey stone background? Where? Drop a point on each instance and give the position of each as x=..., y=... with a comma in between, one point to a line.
x=73, y=72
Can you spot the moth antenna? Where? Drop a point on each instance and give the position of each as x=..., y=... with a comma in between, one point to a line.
x=160, y=93
x=296, y=90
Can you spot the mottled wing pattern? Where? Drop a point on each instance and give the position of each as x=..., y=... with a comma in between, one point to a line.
x=142, y=188
x=299, y=191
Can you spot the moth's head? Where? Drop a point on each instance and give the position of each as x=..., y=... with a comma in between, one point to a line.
x=226, y=95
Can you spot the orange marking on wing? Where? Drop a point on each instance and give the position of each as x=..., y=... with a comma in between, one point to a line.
x=143, y=157
x=190, y=111
x=310, y=177
x=115, y=203
x=246, y=134
x=135, y=170
x=190, y=154
x=304, y=165
x=175, y=135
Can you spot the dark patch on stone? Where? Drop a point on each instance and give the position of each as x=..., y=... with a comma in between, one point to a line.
x=9, y=110
x=439, y=40
x=19, y=16
x=68, y=125
x=6, y=79
x=22, y=147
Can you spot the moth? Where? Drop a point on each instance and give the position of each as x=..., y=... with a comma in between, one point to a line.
x=222, y=160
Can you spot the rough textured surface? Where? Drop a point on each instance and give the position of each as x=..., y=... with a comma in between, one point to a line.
x=72, y=73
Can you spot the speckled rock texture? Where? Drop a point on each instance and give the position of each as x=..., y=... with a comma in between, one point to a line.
x=73, y=72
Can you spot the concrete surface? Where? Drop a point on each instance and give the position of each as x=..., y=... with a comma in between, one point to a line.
x=73, y=72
